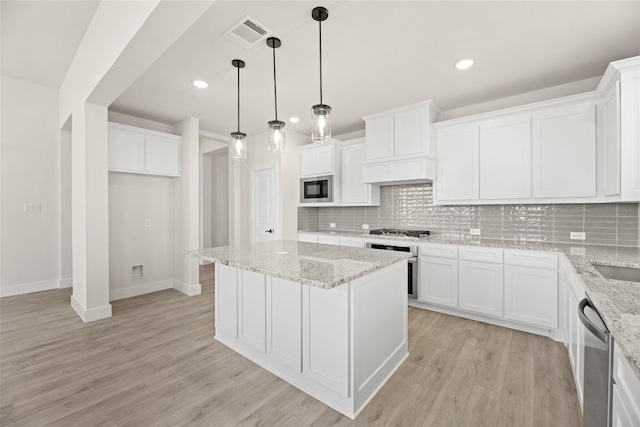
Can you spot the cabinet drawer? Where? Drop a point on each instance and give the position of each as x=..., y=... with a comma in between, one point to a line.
x=481, y=254
x=531, y=259
x=329, y=240
x=352, y=241
x=310, y=238
x=438, y=250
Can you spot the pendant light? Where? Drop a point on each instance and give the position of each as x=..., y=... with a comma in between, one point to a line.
x=320, y=113
x=238, y=142
x=276, y=127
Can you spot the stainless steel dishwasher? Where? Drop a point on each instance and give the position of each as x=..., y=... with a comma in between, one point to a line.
x=597, y=367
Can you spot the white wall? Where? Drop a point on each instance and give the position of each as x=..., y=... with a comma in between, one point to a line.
x=30, y=241
x=288, y=185
x=132, y=200
x=219, y=198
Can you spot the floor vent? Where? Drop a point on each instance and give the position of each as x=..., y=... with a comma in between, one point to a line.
x=247, y=32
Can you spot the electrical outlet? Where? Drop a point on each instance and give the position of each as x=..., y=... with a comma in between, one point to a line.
x=332, y=225
x=365, y=226
x=474, y=231
x=575, y=235
x=32, y=207
x=577, y=251
x=147, y=223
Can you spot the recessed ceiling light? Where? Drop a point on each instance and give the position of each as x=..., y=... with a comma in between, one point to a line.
x=463, y=64
x=294, y=119
x=200, y=84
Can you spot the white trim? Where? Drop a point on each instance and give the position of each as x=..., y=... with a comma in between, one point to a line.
x=65, y=283
x=428, y=103
x=191, y=290
x=145, y=288
x=90, y=315
x=26, y=288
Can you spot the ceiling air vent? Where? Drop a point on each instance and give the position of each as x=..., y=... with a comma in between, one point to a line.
x=247, y=32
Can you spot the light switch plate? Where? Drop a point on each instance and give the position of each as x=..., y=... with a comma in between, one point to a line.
x=474, y=231
x=332, y=225
x=147, y=223
x=575, y=235
x=577, y=251
x=365, y=226
x=32, y=207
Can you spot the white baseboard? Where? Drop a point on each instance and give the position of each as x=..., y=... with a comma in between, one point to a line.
x=145, y=288
x=191, y=290
x=65, y=283
x=26, y=288
x=92, y=314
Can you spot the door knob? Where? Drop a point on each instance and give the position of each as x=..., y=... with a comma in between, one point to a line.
x=269, y=231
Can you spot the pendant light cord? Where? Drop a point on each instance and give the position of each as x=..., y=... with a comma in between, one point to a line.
x=275, y=91
x=238, y=99
x=320, y=30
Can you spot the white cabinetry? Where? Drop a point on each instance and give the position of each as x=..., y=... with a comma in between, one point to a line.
x=252, y=309
x=505, y=159
x=354, y=242
x=354, y=192
x=480, y=287
x=319, y=159
x=564, y=152
x=531, y=295
x=328, y=240
x=457, y=164
x=284, y=334
x=398, y=145
x=136, y=150
x=309, y=238
x=573, y=294
x=626, y=391
x=439, y=281
x=619, y=130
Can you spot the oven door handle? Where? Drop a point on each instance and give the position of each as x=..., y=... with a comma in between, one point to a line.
x=599, y=333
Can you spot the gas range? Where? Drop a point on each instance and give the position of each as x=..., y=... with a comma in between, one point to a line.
x=398, y=232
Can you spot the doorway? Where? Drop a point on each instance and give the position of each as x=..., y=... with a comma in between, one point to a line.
x=215, y=198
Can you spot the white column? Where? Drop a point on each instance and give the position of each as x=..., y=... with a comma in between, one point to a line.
x=90, y=212
x=187, y=210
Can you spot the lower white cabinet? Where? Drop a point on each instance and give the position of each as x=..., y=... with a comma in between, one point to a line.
x=575, y=344
x=439, y=281
x=480, y=287
x=531, y=295
x=310, y=238
x=626, y=391
x=252, y=309
x=284, y=334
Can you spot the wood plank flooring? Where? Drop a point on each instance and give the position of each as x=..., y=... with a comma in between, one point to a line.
x=155, y=363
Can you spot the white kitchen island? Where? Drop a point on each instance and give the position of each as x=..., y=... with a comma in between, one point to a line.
x=330, y=320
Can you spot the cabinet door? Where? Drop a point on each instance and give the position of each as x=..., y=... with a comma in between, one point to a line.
x=531, y=295
x=505, y=159
x=162, y=156
x=480, y=287
x=439, y=281
x=564, y=152
x=576, y=342
x=252, y=309
x=126, y=151
x=611, y=141
x=353, y=242
x=630, y=135
x=620, y=416
x=380, y=137
x=627, y=383
x=457, y=164
x=410, y=132
x=310, y=238
x=316, y=161
x=353, y=190
x=227, y=295
x=284, y=322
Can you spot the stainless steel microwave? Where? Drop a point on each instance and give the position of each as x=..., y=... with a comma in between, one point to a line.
x=317, y=189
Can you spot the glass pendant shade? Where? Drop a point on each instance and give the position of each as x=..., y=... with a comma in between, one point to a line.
x=239, y=145
x=321, y=123
x=276, y=136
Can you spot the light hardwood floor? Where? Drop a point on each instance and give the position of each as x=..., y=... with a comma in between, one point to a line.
x=155, y=363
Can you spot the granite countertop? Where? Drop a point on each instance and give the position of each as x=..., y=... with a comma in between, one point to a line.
x=323, y=266
x=617, y=301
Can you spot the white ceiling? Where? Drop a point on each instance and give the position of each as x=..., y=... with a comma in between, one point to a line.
x=377, y=55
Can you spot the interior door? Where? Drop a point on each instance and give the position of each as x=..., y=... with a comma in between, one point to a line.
x=264, y=204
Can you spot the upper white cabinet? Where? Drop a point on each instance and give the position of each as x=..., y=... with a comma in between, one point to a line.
x=564, y=152
x=398, y=147
x=505, y=158
x=457, y=164
x=619, y=130
x=319, y=159
x=136, y=150
x=354, y=192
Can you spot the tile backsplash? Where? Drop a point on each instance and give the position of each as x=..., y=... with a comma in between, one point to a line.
x=411, y=206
